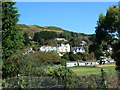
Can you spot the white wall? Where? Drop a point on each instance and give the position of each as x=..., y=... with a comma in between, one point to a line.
x=71, y=64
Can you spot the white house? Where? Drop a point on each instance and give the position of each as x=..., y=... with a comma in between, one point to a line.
x=80, y=63
x=60, y=49
x=77, y=49
x=83, y=63
x=106, y=60
x=29, y=51
x=63, y=48
x=83, y=43
x=71, y=63
x=60, y=39
x=47, y=48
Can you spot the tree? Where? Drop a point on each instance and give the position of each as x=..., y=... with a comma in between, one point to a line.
x=67, y=78
x=44, y=36
x=96, y=49
x=65, y=56
x=65, y=35
x=26, y=39
x=116, y=54
x=108, y=31
x=109, y=24
x=103, y=79
x=12, y=36
x=74, y=57
x=36, y=37
x=75, y=42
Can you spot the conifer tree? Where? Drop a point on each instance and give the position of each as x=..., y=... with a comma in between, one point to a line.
x=12, y=36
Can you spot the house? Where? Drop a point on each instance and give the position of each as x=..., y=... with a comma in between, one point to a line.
x=47, y=48
x=60, y=49
x=29, y=51
x=60, y=39
x=71, y=63
x=84, y=63
x=63, y=48
x=106, y=60
x=77, y=49
x=83, y=43
x=81, y=63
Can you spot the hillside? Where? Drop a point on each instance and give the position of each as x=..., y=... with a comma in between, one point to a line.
x=31, y=29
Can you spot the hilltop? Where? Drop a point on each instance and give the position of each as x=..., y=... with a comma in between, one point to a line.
x=31, y=29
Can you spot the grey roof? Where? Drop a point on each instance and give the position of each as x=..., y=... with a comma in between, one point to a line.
x=87, y=61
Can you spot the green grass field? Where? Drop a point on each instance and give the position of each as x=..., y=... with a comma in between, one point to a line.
x=86, y=70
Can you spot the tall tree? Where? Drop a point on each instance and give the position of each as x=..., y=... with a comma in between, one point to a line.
x=12, y=36
x=108, y=31
x=12, y=39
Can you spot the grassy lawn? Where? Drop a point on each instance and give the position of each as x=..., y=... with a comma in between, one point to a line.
x=86, y=70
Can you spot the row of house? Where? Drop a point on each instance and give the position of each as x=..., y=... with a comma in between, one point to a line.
x=62, y=48
x=47, y=48
x=105, y=60
x=78, y=49
x=80, y=63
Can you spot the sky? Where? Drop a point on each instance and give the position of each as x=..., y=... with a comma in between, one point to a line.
x=80, y=17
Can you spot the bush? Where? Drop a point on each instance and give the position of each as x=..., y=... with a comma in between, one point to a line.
x=66, y=78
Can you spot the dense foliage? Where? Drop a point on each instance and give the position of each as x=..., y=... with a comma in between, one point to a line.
x=65, y=35
x=26, y=39
x=43, y=36
x=12, y=36
x=23, y=64
x=108, y=32
x=78, y=56
x=39, y=69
